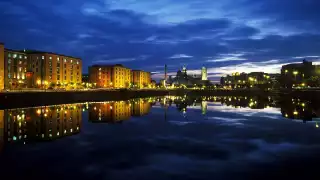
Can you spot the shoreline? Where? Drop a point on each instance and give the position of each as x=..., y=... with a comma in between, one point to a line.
x=30, y=99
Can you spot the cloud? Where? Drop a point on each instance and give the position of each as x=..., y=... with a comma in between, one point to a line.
x=228, y=57
x=224, y=35
x=179, y=56
x=115, y=60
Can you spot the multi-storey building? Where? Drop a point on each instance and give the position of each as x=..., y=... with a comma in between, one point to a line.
x=249, y=79
x=300, y=75
x=55, y=69
x=37, y=69
x=15, y=69
x=140, y=79
x=110, y=76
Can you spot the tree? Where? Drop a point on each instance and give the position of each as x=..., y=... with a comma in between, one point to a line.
x=52, y=85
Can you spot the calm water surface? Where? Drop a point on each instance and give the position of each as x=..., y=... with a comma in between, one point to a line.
x=163, y=138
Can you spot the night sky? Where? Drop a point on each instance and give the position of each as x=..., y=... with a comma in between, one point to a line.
x=224, y=35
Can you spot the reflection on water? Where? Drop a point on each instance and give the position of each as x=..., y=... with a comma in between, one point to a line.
x=291, y=108
x=48, y=123
x=118, y=111
x=169, y=136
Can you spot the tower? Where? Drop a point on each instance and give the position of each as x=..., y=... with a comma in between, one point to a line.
x=184, y=69
x=204, y=74
x=165, y=72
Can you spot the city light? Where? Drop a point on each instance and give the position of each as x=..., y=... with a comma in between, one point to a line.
x=295, y=72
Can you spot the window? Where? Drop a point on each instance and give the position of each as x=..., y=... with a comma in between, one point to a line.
x=25, y=57
x=20, y=56
x=9, y=55
x=58, y=59
x=77, y=62
x=71, y=60
x=50, y=57
x=65, y=60
x=42, y=57
x=65, y=66
x=9, y=61
x=36, y=69
x=14, y=55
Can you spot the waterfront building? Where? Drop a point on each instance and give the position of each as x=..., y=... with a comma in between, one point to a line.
x=15, y=69
x=300, y=75
x=51, y=69
x=27, y=68
x=110, y=76
x=140, y=79
x=259, y=79
x=204, y=74
x=183, y=78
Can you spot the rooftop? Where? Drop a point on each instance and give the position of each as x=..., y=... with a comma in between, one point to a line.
x=29, y=51
x=38, y=52
x=107, y=65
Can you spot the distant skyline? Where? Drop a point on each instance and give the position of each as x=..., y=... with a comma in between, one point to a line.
x=224, y=35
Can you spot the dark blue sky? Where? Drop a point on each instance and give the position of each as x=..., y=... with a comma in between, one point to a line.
x=224, y=35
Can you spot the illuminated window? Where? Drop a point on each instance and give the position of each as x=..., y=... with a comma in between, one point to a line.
x=9, y=55
x=58, y=59
x=65, y=60
x=42, y=57
x=14, y=55
x=50, y=57
x=20, y=56
x=71, y=60
x=25, y=57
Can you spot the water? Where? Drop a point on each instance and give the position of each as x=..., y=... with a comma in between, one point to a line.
x=163, y=138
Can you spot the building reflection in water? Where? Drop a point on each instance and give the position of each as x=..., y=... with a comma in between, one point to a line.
x=118, y=111
x=44, y=123
x=291, y=108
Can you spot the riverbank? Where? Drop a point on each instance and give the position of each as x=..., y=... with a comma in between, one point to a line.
x=29, y=99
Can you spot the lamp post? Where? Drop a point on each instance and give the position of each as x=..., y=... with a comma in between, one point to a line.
x=295, y=75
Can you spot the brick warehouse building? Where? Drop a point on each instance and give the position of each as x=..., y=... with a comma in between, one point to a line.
x=140, y=79
x=110, y=76
x=21, y=69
